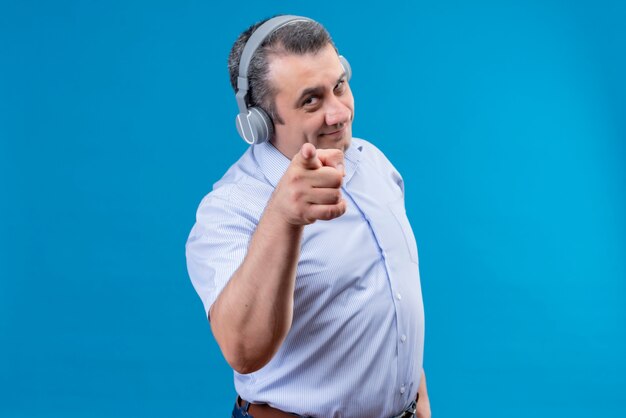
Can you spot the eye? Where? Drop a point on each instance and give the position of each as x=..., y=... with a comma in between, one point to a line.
x=310, y=101
x=340, y=87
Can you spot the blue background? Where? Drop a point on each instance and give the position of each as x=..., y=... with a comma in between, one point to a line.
x=506, y=119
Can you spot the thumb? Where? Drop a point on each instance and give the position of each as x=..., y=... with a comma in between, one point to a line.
x=332, y=158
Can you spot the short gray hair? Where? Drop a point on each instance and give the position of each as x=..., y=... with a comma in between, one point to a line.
x=299, y=37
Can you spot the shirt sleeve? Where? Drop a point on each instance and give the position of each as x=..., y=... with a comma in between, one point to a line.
x=217, y=245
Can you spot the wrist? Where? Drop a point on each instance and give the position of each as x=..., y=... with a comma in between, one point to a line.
x=280, y=221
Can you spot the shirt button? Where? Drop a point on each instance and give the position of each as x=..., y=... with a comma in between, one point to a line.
x=403, y=338
x=398, y=296
x=402, y=390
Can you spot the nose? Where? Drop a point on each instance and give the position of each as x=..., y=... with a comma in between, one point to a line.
x=337, y=112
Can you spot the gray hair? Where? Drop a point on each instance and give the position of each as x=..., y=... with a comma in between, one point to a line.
x=298, y=37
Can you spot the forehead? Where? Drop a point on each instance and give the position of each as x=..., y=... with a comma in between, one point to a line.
x=290, y=73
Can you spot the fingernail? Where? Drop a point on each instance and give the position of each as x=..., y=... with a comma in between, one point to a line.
x=341, y=168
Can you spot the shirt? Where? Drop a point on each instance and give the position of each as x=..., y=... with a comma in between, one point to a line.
x=356, y=342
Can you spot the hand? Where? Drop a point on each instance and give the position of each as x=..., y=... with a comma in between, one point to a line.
x=423, y=407
x=423, y=403
x=310, y=189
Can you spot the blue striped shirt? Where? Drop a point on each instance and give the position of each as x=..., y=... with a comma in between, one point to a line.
x=356, y=342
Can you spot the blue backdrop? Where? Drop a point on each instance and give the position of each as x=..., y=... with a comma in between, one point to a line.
x=506, y=119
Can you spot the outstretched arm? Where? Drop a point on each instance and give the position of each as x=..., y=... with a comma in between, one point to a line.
x=252, y=315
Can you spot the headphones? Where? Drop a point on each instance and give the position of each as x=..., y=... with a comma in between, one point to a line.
x=253, y=123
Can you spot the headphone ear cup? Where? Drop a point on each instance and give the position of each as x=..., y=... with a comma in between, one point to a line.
x=346, y=66
x=261, y=124
x=255, y=127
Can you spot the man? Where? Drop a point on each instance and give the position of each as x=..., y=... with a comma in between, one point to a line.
x=302, y=254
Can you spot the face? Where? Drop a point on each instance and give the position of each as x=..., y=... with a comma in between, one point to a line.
x=313, y=99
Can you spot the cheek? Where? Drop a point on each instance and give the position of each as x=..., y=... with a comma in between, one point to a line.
x=312, y=124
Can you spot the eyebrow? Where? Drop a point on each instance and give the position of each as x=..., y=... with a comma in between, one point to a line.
x=315, y=90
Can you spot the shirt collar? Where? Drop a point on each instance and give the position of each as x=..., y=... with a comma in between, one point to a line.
x=273, y=163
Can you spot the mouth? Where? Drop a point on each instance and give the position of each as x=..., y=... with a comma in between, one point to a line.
x=338, y=132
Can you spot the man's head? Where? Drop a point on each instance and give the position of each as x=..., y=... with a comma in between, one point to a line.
x=297, y=78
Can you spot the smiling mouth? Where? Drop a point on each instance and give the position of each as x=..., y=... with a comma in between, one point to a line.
x=338, y=131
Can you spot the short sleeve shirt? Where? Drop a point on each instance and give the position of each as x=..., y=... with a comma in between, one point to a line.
x=355, y=346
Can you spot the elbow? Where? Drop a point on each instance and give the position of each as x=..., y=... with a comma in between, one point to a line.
x=246, y=354
x=243, y=367
x=248, y=350
x=245, y=364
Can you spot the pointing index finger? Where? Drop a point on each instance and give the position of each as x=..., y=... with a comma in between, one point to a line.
x=308, y=157
x=308, y=151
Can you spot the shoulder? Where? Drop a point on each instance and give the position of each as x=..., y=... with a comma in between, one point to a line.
x=373, y=156
x=242, y=192
x=371, y=152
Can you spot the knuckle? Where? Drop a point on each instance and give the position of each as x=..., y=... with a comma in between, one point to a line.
x=321, y=214
x=341, y=209
x=296, y=177
x=296, y=195
x=331, y=212
x=337, y=180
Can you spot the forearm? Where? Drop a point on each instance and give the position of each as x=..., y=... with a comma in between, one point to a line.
x=422, y=391
x=423, y=403
x=253, y=314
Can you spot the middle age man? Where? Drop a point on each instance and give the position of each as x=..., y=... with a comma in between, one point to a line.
x=302, y=254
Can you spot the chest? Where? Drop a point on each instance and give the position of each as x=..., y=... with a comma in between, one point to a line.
x=337, y=255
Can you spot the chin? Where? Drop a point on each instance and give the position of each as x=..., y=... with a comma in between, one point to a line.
x=348, y=141
x=341, y=142
x=344, y=142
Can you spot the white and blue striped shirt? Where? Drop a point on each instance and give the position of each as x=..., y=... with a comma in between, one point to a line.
x=356, y=343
